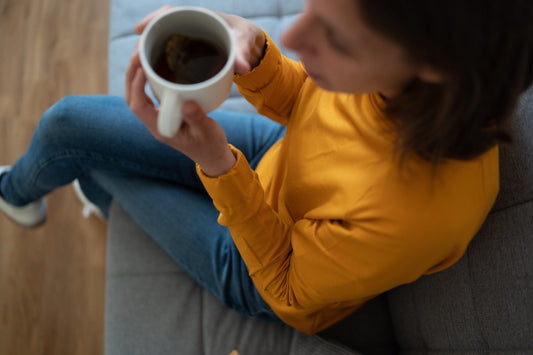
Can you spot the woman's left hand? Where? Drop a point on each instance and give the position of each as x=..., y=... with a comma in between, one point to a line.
x=199, y=137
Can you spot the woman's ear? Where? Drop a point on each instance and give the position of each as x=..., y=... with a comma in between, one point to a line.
x=430, y=74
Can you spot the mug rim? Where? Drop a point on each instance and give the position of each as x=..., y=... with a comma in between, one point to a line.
x=147, y=67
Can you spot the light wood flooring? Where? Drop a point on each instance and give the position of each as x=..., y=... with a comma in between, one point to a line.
x=51, y=278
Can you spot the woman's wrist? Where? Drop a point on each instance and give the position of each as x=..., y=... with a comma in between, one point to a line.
x=219, y=166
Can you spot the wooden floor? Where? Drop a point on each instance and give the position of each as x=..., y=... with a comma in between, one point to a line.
x=51, y=278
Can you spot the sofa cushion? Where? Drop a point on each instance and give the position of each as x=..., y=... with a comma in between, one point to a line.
x=154, y=307
x=485, y=301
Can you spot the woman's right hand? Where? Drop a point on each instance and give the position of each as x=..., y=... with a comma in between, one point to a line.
x=249, y=38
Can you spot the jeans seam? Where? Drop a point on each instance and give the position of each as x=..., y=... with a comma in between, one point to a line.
x=81, y=154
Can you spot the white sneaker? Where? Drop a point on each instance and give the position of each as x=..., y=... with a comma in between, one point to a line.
x=89, y=208
x=31, y=215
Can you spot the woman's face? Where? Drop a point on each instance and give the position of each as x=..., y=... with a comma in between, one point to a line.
x=341, y=53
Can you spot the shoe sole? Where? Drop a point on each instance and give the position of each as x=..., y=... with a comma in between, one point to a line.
x=28, y=226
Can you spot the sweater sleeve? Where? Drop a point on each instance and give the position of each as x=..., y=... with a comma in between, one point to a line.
x=274, y=85
x=302, y=268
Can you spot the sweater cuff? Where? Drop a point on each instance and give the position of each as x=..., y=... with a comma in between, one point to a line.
x=232, y=193
x=262, y=74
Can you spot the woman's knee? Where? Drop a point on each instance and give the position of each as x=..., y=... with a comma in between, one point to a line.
x=63, y=114
x=76, y=117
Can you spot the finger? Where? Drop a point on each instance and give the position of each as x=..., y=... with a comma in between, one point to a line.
x=191, y=111
x=139, y=27
x=194, y=119
x=135, y=63
x=141, y=105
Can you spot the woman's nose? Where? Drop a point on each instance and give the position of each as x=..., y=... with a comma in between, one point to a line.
x=299, y=37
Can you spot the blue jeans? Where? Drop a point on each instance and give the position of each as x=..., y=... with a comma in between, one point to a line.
x=97, y=140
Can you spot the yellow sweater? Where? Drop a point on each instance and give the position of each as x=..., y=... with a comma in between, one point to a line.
x=328, y=221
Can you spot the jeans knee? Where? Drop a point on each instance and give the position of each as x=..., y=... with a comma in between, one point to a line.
x=60, y=114
x=70, y=119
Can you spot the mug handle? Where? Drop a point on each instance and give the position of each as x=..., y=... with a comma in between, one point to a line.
x=169, y=117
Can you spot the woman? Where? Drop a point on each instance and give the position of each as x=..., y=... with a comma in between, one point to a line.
x=377, y=164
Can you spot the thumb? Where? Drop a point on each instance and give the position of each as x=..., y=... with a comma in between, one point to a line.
x=193, y=115
x=192, y=111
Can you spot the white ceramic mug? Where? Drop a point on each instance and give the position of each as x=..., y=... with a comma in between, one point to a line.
x=195, y=22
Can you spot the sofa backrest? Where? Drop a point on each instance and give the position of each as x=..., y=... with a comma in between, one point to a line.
x=485, y=301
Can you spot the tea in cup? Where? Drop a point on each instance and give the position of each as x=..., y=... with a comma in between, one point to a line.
x=188, y=54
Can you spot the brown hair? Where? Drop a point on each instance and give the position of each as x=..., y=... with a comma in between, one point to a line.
x=485, y=50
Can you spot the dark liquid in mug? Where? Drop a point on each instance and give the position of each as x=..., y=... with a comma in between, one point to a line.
x=189, y=60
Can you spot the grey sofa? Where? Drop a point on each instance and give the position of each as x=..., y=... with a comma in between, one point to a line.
x=481, y=305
